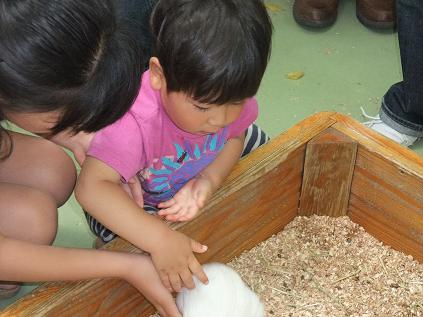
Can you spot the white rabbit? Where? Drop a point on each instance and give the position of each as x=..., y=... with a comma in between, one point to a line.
x=226, y=295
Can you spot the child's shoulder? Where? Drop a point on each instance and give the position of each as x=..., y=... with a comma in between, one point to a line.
x=147, y=104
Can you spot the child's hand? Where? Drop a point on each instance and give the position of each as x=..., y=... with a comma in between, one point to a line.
x=175, y=262
x=188, y=200
x=143, y=276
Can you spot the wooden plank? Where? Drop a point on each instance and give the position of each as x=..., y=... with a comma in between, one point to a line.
x=252, y=214
x=374, y=142
x=328, y=169
x=388, y=202
x=387, y=189
x=235, y=224
x=258, y=199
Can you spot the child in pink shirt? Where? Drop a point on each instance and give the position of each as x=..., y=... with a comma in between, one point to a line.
x=185, y=131
x=147, y=143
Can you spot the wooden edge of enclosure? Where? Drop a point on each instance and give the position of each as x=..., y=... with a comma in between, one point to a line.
x=245, y=201
x=223, y=224
x=399, y=155
x=386, y=196
x=328, y=170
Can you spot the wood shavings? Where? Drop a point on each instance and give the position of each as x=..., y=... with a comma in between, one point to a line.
x=273, y=7
x=295, y=75
x=322, y=266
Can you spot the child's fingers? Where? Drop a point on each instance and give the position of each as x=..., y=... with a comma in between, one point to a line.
x=173, y=218
x=164, y=303
x=186, y=214
x=197, y=247
x=168, y=203
x=175, y=282
x=170, y=211
x=183, y=214
x=165, y=281
x=197, y=270
x=187, y=279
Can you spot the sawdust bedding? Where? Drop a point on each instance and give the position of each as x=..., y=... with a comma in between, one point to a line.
x=323, y=266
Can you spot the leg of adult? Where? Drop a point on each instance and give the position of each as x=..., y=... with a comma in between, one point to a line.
x=35, y=180
x=402, y=105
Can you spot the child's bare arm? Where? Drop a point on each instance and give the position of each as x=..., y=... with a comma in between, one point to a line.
x=23, y=261
x=99, y=192
x=220, y=168
x=193, y=195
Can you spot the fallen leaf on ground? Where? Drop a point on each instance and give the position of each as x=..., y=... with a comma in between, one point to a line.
x=295, y=75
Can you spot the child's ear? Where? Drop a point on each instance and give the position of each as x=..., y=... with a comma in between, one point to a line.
x=157, y=79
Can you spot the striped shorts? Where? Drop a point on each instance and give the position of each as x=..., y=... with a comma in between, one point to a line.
x=254, y=137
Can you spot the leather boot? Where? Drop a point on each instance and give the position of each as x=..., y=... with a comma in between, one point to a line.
x=377, y=14
x=315, y=13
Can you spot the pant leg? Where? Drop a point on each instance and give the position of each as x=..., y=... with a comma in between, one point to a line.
x=254, y=137
x=402, y=105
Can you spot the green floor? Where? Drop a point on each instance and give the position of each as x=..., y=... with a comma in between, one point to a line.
x=345, y=66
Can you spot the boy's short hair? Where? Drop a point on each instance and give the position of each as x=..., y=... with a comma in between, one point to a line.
x=214, y=50
x=67, y=55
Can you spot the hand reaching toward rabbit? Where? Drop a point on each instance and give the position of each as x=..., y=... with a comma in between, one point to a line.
x=175, y=262
x=142, y=274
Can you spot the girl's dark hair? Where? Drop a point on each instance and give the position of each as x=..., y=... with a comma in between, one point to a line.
x=214, y=50
x=67, y=55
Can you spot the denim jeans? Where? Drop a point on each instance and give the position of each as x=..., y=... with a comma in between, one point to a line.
x=402, y=105
x=134, y=16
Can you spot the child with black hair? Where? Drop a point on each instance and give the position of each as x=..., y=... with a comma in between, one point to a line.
x=184, y=132
x=65, y=66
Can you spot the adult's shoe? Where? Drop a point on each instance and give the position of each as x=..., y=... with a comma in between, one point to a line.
x=315, y=13
x=381, y=127
x=376, y=14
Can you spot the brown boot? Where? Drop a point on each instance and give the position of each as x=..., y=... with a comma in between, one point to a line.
x=377, y=14
x=315, y=13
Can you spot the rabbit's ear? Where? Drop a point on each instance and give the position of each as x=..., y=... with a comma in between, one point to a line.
x=226, y=295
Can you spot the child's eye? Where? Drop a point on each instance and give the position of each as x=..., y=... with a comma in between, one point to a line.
x=201, y=108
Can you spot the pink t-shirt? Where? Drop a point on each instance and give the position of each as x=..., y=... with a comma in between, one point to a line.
x=146, y=143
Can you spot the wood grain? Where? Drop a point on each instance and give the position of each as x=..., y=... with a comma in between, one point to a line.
x=387, y=189
x=409, y=161
x=388, y=202
x=328, y=169
x=257, y=200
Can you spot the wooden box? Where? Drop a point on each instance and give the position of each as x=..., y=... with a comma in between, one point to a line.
x=327, y=164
